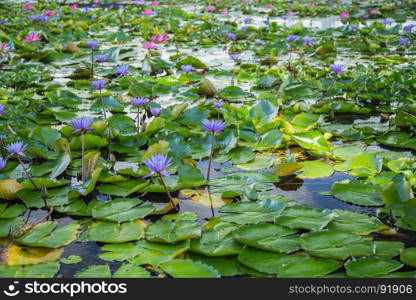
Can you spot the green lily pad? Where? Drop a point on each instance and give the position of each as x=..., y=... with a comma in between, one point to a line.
x=358, y=192
x=107, y=232
x=186, y=268
x=44, y=235
x=315, y=169
x=171, y=231
x=408, y=256
x=371, y=267
x=336, y=245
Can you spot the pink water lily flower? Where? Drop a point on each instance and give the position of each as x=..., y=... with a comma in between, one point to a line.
x=224, y=11
x=344, y=15
x=73, y=7
x=28, y=6
x=4, y=48
x=154, y=3
x=149, y=45
x=268, y=5
x=290, y=13
x=147, y=12
x=48, y=12
x=32, y=37
x=160, y=38
x=210, y=8
x=373, y=12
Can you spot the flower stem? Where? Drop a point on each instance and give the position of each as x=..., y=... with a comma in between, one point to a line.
x=210, y=157
x=138, y=122
x=27, y=173
x=233, y=74
x=83, y=156
x=2, y=145
x=103, y=105
x=92, y=63
x=167, y=191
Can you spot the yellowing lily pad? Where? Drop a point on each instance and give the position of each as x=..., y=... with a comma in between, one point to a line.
x=19, y=255
x=9, y=188
x=315, y=169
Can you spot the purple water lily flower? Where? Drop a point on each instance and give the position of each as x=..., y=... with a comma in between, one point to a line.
x=408, y=28
x=225, y=31
x=218, y=104
x=266, y=22
x=214, y=126
x=101, y=58
x=155, y=111
x=3, y=162
x=186, y=68
x=244, y=28
x=308, y=41
x=17, y=148
x=235, y=57
x=2, y=111
x=99, y=84
x=259, y=43
x=93, y=44
x=337, y=69
x=138, y=101
x=403, y=41
x=81, y=125
x=354, y=27
x=386, y=22
x=122, y=71
x=292, y=38
x=232, y=36
x=247, y=21
x=158, y=163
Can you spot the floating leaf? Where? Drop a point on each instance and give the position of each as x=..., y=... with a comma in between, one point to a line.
x=44, y=235
x=95, y=271
x=120, y=210
x=9, y=188
x=169, y=231
x=358, y=192
x=371, y=267
x=305, y=218
x=107, y=232
x=312, y=140
x=14, y=255
x=315, y=169
x=337, y=245
x=72, y=259
x=131, y=271
x=186, y=268
x=408, y=257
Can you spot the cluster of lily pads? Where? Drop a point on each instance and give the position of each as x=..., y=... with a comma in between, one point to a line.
x=162, y=134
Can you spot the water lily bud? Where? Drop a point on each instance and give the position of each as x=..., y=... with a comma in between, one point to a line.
x=44, y=192
x=207, y=88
